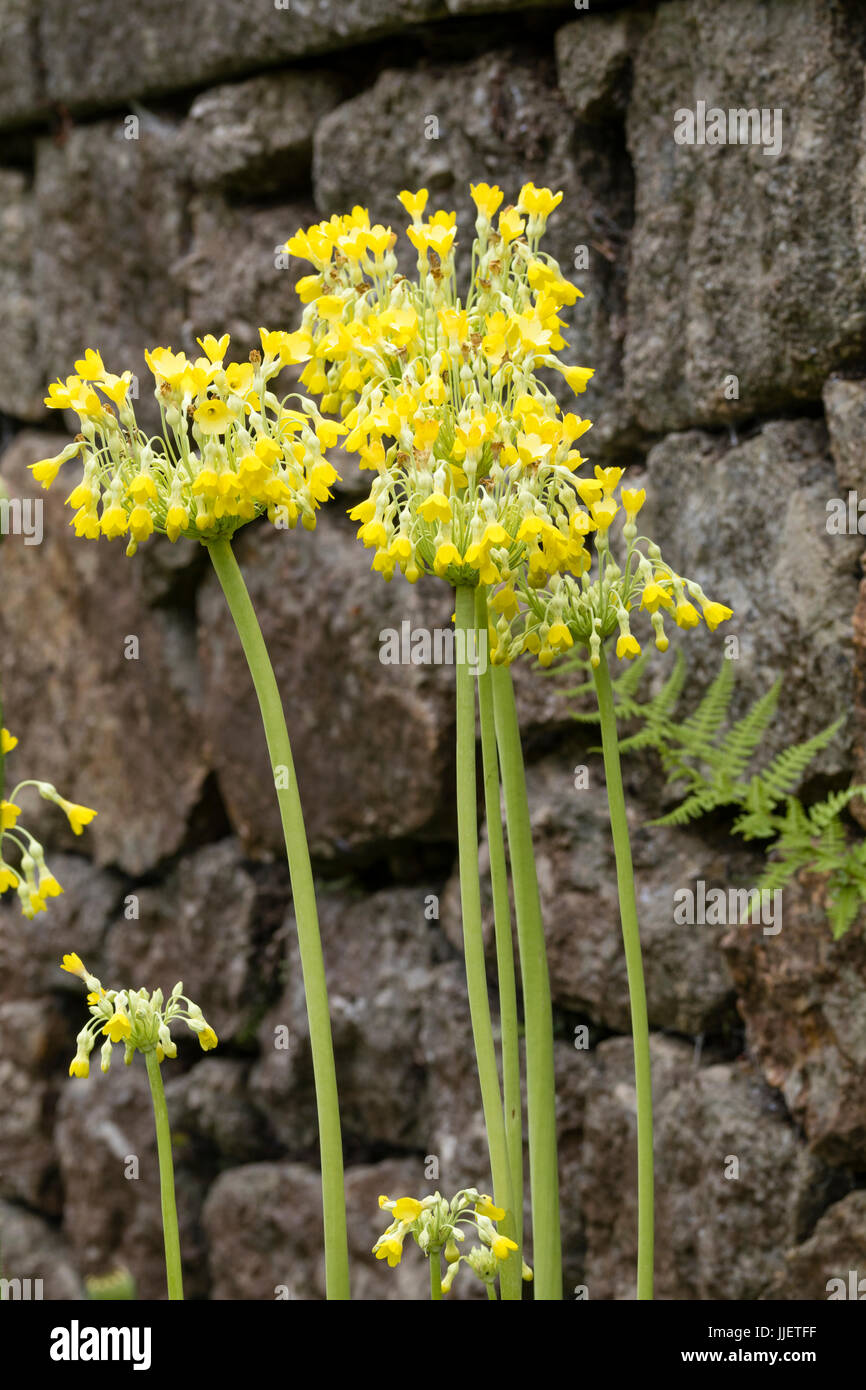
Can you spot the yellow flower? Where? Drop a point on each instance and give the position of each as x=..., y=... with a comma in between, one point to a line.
x=390, y=1250
x=485, y=1206
x=7, y=742
x=9, y=814
x=436, y=507
x=577, y=377
x=74, y=965
x=627, y=646
x=207, y=1039
x=8, y=879
x=487, y=198
x=117, y=1028
x=511, y=224
x=213, y=349
x=407, y=1209
x=79, y=1066
x=213, y=417
x=502, y=1247
x=715, y=613
x=78, y=816
x=414, y=203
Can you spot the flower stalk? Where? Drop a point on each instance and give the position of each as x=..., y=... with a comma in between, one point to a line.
x=306, y=915
x=171, y=1235
x=634, y=968
x=537, y=1006
x=508, y=1016
x=470, y=899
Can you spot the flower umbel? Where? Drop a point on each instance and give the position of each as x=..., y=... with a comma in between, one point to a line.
x=230, y=449
x=586, y=608
x=437, y=1225
x=138, y=1019
x=441, y=398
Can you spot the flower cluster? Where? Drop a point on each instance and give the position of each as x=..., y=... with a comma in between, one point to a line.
x=603, y=599
x=30, y=875
x=474, y=459
x=139, y=1020
x=436, y=1225
x=230, y=450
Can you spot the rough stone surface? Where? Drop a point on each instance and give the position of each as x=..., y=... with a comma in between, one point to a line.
x=732, y=272
x=791, y=585
x=112, y=733
x=264, y=1225
x=833, y=1250
x=112, y=222
x=256, y=137
x=32, y=1040
x=235, y=277
x=30, y=953
x=33, y=1250
x=801, y=995
x=405, y=986
x=845, y=407
x=204, y=926
x=21, y=384
x=718, y=1237
x=593, y=59
x=382, y=732
x=111, y=1210
x=20, y=86
x=91, y=60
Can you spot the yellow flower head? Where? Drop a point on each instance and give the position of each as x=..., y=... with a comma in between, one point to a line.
x=442, y=396
x=139, y=1020
x=195, y=480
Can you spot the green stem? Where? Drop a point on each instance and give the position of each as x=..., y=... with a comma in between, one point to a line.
x=491, y=1292
x=166, y=1178
x=634, y=967
x=435, y=1276
x=510, y=1276
x=306, y=916
x=470, y=901
x=537, y=1006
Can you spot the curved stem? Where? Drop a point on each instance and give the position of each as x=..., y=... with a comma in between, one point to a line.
x=510, y=1276
x=170, y=1232
x=435, y=1276
x=470, y=900
x=634, y=967
x=306, y=916
x=537, y=1006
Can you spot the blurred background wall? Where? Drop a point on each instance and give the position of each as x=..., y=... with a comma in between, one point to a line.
x=153, y=160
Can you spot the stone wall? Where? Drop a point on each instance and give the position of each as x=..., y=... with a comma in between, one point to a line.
x=152, y=161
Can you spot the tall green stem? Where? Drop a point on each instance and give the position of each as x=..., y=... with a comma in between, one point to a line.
x=634, y=967
x=435, y=1276
x=470, y=901
x=510, y=1276
x=166, y=1178
x=537, y=1007
x=306, y=916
